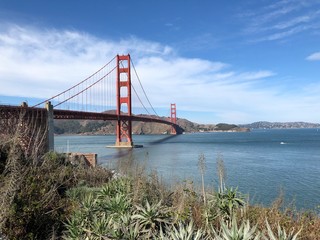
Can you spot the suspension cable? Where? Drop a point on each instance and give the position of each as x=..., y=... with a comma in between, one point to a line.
x=136, y=92
x=140, y=99
x=86, y=87
x=76, y=84
x=143, y=88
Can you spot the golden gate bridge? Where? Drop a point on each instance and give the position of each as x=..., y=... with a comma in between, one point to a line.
x=107, y=94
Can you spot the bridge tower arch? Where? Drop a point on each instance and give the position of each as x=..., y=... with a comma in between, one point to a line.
x=123, y=90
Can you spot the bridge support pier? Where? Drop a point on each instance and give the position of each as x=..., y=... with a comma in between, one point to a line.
x=50, y=128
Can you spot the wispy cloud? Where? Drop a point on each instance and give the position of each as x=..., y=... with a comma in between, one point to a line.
x=282, y=34
x=292, y=22
x=43, y=62
x=281, y=20
x=257, y=75
x=314, y=57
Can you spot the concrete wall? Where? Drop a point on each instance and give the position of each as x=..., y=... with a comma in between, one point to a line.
x=90, y=159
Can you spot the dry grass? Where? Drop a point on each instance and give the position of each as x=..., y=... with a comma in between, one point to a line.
x=288, y=217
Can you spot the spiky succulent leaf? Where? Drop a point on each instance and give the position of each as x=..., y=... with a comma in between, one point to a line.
x=281, y=233
x=235, y=232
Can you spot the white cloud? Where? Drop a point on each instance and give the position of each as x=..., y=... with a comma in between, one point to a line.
x=41, y=63
x=58, y=58
x=314, y=57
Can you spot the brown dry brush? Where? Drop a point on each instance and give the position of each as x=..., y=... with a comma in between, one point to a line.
x=289, y=218
x=13, y=163
x=33, y=202
x=23, y=141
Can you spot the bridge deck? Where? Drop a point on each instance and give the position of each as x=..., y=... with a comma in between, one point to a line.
x=66, y=114
x=7, y=111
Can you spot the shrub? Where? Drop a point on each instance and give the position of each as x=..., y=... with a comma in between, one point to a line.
x=35, y=204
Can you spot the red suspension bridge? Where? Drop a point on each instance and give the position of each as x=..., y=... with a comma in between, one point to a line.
x=108, y=94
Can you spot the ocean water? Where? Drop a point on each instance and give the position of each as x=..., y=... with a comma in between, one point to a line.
x=261, y=163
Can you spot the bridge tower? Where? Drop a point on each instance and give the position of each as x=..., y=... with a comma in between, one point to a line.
x=123, y=88
x=173, y=117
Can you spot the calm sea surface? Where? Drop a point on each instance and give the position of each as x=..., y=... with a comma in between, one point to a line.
x=261, y=163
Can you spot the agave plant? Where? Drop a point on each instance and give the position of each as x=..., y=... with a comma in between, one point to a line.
x=183, y=232
x=77, y=193
x=118, y=185
x=281, y=234
x=233, y=232
x=131, y=229
x=152, y=217
x=100, y=224
x=228, y=200
x=117, y=205
x=74, y=227
x=88, y=206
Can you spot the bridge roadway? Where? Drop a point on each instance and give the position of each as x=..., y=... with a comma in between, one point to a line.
x=7, y=111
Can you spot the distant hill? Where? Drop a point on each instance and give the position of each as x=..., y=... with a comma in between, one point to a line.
x=108, y=127
x=280, y=125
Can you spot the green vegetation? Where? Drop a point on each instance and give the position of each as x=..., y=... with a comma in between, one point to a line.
x=75, y=126
x=224, y=127
x=140, y=206
x=46, y=196
x=115, y=212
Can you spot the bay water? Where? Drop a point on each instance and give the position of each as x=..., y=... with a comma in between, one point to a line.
x=261, y=163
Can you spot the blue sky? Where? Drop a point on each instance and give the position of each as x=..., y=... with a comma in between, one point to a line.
x=219, y=61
